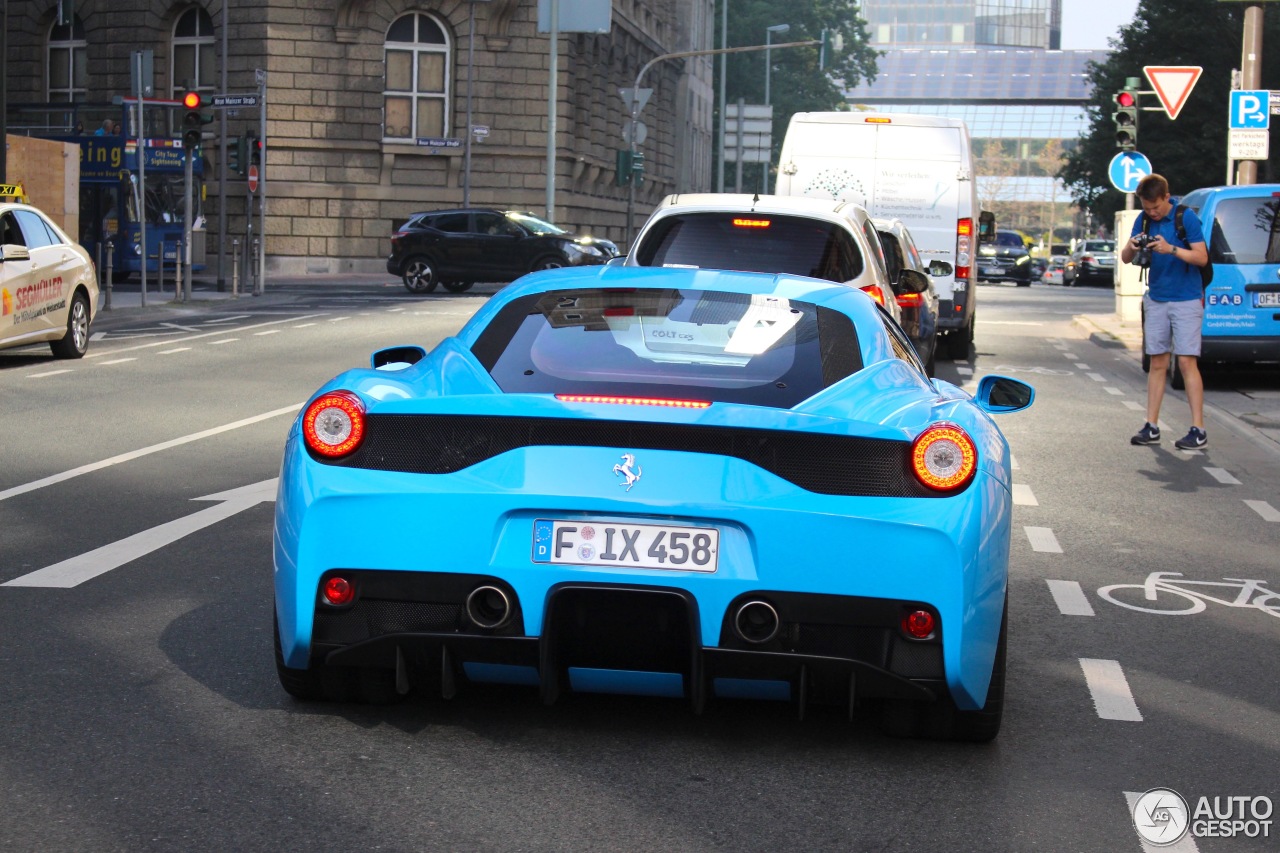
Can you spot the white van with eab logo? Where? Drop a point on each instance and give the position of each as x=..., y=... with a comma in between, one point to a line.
x=911, y=167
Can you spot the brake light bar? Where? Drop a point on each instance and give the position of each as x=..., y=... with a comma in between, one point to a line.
x=634, y=401
x=964, y=247
x=908, y=300
x=751, y=223
x=878, y=120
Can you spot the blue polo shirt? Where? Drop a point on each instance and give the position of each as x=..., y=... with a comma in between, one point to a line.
x=1170, y=279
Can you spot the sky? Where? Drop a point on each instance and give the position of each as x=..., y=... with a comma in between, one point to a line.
x=1087, y=24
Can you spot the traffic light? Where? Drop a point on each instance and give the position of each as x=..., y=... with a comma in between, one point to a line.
x=254, y=144
x=193, y=120
x=637, y=168
x=622, y=176
x=1126, y=119
x=237, y=156
x=832, y=46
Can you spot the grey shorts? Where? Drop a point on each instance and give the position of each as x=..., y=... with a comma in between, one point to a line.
x=1172, y=326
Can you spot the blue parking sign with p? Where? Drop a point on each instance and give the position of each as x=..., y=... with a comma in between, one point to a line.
x=1250, y=109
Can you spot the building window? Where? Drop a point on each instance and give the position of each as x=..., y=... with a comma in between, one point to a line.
x=415, y=102
x=195, y=57
x=68, y=70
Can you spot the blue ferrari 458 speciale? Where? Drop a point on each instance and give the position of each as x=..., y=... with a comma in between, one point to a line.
x=673, y=482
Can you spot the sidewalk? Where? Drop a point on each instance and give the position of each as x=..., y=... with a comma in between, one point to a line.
x=204, y=290
x=1254, y=412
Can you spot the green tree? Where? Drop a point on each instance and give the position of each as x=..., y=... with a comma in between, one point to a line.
x=1191, y=151
x=797, y=84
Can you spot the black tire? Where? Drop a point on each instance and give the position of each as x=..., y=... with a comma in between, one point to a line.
x=457, y=286
x=75, y=343
x=420, y=275
x=942, y=720
x=550, y=262
x=318, y=682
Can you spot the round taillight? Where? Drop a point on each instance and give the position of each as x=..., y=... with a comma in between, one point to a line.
x=338, y=591
x=918, y=624
x=334, y=424
x=943, y=457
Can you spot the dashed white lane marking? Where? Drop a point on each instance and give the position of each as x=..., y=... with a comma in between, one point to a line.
x=1137, y=407
x=1043, y=540
x=223, y=341
x=267, y=332
x=338, y=319
x=1264, y=509
x=1080, y=365
x=1096, y=377
x=1115, y=392
x=172, y=351
x=1022, y=495
x=1070, y=598
x=1222, y=476
x=1070, y=355
x=964, y=371
x=1186, y=844
x=189, y=338
x=1110, y=690
x=1013, y=462
x=48, y=373
x=145, y=451
x=118, y=360
x=304, y=325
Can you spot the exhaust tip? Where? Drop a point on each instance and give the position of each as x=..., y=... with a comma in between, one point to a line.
x=756, y=622
x=489, y=606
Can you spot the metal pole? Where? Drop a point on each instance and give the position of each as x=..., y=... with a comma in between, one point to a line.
x=139, y=133
x=160, y=274
x=182, y=284
x=110, y=276
x=742, y=110
x=551, y=111
x=223, y=173
x=235, y=268
x=262, y=192
x=471, y=70
x=1250, y=78
x=724, y=58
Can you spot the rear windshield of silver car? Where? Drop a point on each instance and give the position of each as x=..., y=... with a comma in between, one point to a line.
x=752, y=242
x=1246, y=231
x=679, y=344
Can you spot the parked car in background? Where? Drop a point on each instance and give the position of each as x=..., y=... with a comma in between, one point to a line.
x=1005, y=259
x=1055, y=272
x=815, y=237
x=1094, y=262
x=456, y=248
x=48, y=284
x=919, y=309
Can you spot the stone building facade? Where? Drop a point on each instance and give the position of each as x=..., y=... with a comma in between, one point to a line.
x=361, y=95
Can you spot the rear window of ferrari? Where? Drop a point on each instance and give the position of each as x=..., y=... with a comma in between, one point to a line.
x=677, y=344
x=752, y=242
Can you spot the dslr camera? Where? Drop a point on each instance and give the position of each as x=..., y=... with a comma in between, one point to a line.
x=1143, y=257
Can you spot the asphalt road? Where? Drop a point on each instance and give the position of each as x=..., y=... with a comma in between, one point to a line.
x=141, y=709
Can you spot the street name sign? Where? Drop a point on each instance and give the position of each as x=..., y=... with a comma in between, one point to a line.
x=1127, y=169
x=1172, y=84
x=217, y=101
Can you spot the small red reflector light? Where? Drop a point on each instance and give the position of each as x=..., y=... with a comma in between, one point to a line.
x=873, y=291
x=634, y=401
x=338, y=591
x=918, y=624
x=751, y=223
x=908, y=300
x=878, y=120
x=191, y=100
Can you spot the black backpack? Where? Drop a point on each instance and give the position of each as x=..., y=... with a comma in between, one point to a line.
x=1206, y=271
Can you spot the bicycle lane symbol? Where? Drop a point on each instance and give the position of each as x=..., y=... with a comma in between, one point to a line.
x=1166, y=594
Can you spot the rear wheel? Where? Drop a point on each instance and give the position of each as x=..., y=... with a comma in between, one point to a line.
x=75, y=342
x=548, y=263
x=420, y=275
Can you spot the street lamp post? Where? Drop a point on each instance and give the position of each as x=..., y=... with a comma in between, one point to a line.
x=768, y=72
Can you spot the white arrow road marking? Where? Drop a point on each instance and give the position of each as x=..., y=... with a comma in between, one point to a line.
x=1186, y=844
x=87, y=566
x=134, y=454
x=1070, y=598
x=1110, y=689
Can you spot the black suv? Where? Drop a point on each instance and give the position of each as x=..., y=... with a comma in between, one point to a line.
x=1006, y=259
x=457, y=248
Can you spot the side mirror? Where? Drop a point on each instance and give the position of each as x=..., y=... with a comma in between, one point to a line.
x=911, y=281
x=619, y=261
x=1001, y=395
x=14, y=252
x=986, y=227
x=397, y=358
x=940, y=268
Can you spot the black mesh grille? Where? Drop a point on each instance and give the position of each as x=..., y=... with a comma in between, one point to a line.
x=843, y=641
x=826, y=464
x=373, y=618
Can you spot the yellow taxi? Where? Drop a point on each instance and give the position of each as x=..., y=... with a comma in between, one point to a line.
x=48, y=284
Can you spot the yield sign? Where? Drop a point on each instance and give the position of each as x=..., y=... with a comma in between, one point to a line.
x=1173, y=83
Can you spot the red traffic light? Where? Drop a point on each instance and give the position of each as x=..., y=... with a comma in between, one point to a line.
x=1125, y=99
x=191, y=100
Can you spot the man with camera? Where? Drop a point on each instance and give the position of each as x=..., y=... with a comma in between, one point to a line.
x=1173, y=306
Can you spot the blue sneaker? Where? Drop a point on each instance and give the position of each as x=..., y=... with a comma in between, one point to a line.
x=1149, y=434
x=1194, y=440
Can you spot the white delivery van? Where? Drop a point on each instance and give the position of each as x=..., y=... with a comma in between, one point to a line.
x=910, y=167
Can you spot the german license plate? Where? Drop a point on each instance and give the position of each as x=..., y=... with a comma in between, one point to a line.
x=1266, y=300
x=633, y=546
x=170, y=256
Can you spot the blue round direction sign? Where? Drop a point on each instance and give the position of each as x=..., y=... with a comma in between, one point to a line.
x=1127, y=168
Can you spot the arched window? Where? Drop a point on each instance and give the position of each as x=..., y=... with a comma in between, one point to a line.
x=68, y=72
x=195, y=54
x=415, y=102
